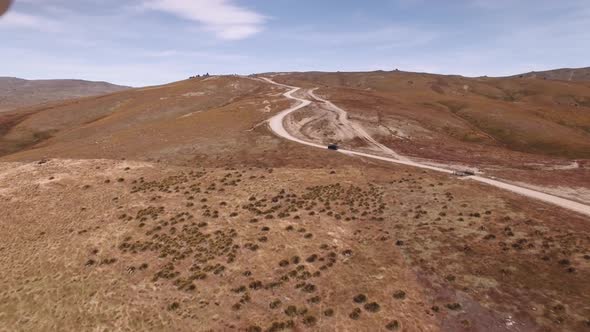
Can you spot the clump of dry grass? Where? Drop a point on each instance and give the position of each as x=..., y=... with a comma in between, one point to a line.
x=275, y=304
x=399, y=295
x=394, y=325
x=309, y=321
x=372, y=307
x=360, y=298
x=173, y=306
x=453, y=306
x=355, y=314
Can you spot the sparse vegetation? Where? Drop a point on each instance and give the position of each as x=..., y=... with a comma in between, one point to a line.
x=209, y=244
x=372, y=307
x=453, y=306
x=360, y=298
x=399, y=295
x=393, y=325
x=355, y=314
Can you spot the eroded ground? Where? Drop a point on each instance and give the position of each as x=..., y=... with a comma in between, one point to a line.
x=533, y=131
x=99, y=244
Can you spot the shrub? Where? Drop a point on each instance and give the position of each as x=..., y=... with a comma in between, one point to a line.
x=372, y=307
x=173, y=306
x=275, y=304
x=392, y=326
x=355, y=314
x=399, y=295
x=360, y=298
x=453, y=306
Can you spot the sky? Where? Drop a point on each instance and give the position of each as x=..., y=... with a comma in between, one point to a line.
x=148, y=42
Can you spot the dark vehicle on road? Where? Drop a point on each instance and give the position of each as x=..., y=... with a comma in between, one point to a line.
x=463, y=173
x=333, y=147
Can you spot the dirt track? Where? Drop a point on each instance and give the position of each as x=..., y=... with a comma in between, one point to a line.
x=213, y=222
x=276, y=125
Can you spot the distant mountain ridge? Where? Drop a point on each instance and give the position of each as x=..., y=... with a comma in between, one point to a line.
x=17, y=92
x=562, y=74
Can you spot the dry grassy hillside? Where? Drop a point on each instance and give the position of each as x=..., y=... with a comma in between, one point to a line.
x=216, y=119
x=532, y=116
x=101, y=244
x=526, y=130
x=175, y=208
x=564, y=74
x=16, y=92
x=440, y=117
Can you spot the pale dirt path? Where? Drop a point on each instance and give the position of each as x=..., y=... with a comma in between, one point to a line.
x=276, y=125
x=359, y=130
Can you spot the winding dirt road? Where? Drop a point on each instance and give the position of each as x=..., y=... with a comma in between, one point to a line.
x=276, y=125
x=356, y=128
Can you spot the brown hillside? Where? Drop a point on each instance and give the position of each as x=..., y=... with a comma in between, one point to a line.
x=175, y=208
x=564, y=74
x=450, y=115
x=16, y=92
x=219, y=120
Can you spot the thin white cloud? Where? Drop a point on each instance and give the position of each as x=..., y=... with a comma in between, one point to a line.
x=225, y=19
x=386, y=37
x=16, y=19
x=182, y=53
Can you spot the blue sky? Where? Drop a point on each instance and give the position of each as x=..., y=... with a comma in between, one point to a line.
x=145, y=42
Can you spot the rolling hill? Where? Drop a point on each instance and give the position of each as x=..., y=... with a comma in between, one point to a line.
x=448, y=115
x=176, y=208
x=563, y=74
x=16, y=92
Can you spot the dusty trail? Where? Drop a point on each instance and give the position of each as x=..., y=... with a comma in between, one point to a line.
x=276, y=125
x=359, y=130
